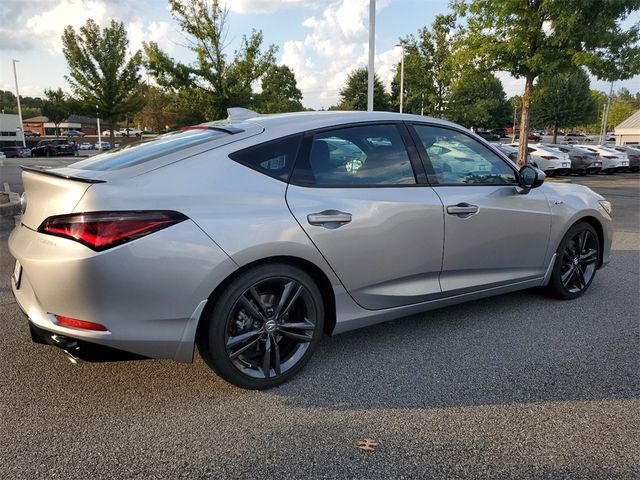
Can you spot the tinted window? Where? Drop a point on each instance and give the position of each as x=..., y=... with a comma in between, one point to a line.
x=274, y=158
x=136, y=153
x=459, y=159
x=360, y=156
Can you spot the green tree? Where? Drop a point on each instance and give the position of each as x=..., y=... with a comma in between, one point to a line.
x=103, y=79
x=31, y=106
x=563, y=100
x=353, y=95
x=220, y=83
x=478, y=100
x=56, y=107
x=532, y=37
x=280, y=92
x=428, y=69
x=619, y=111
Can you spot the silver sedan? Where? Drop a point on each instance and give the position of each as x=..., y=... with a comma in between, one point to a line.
x=250, y=237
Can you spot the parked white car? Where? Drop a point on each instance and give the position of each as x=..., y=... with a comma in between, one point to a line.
x=85, y=146
x=610, y=137
x=551, y=160
x=123, y=132
x=612, y=160
x=102, y=146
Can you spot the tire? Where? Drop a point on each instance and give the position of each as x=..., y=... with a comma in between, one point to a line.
x=576, y=262
x=243, y=324
x=583, y=172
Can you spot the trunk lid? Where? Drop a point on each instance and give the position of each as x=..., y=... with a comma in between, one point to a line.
x=47, y=193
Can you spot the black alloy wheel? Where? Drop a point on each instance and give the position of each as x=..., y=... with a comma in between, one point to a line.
x=265, y=327
x=576, y=262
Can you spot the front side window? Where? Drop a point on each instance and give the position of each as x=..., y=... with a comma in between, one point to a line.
x=368, y=155
x=458, y=159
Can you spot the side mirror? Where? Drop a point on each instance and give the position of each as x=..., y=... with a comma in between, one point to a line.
x=530, y=177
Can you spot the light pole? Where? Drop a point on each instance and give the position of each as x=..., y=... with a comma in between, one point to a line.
x=605, y=117
x=401, y=45
x=372, y=52
x=513, y=131
x=99, y=132
x=15, y=77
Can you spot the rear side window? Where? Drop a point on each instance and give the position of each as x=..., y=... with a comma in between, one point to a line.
x=274, y=158
x=366, y=156
x=137, y=153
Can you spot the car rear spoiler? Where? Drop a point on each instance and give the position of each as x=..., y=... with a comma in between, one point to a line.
x=52, y=173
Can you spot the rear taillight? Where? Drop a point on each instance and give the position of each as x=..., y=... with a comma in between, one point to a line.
x=610, y=157
x=549, y=157
x=103, y=230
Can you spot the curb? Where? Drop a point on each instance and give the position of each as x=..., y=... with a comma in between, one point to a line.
x=12, y=208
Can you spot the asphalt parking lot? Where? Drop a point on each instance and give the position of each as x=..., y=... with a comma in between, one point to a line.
x=517, y=386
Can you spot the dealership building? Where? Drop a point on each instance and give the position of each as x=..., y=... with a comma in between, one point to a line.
x=87, y=125
x=628, y=132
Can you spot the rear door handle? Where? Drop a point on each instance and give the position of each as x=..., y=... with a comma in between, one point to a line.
x=329, y=218
x=462, y=209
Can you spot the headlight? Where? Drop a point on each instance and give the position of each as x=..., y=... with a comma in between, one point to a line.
x=607, y=206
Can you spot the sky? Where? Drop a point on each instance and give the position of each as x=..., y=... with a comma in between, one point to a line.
x=321, y=40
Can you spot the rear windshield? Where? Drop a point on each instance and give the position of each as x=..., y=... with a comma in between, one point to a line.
x=137, y=153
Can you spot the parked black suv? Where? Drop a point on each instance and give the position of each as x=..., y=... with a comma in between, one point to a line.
x=12, y=152
x=50, y=148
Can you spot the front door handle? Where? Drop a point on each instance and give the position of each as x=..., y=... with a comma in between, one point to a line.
x=462, y=209
x=329, y=218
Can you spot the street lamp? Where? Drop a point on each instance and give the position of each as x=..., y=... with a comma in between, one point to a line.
x=372, y=52
x=15, y=77
x=401, y=45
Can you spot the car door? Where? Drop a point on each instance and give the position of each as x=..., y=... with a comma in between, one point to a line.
x=493, y=235
x=362, y=197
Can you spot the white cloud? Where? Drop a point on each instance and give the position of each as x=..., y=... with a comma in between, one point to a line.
x=512, y=86
x=266, y=6
x=336, y=45
x=49, y=25
x=160, y=32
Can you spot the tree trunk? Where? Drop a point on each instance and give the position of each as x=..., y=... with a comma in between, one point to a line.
x=555, y=133
x=111, y=142
x=524, y=121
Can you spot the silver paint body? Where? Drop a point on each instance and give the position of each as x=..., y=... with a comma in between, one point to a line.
x=401, y=253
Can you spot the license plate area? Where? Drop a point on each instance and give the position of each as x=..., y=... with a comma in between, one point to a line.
x=17, y=274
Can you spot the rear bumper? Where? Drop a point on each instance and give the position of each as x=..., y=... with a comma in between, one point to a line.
x=147, y=293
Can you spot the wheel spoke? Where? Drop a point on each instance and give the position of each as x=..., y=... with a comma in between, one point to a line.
x=284, y=298
x=293, y=300
x=588, y=257
x=266, y=361
x=258, y=300
x=296, y=336
x=243, y=337
x=251, y=307
x=247, y=346
x=304, y=325
x=581, y=281
x=276, y=355
x=583, y=244
x=566, y=276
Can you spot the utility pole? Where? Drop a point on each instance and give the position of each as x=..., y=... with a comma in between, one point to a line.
x=401, y=45
x=15, y=77
x=605, y=117
x=372, y=52
x=513, y=132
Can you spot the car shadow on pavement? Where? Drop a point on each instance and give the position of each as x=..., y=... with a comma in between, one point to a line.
x=516, y=348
